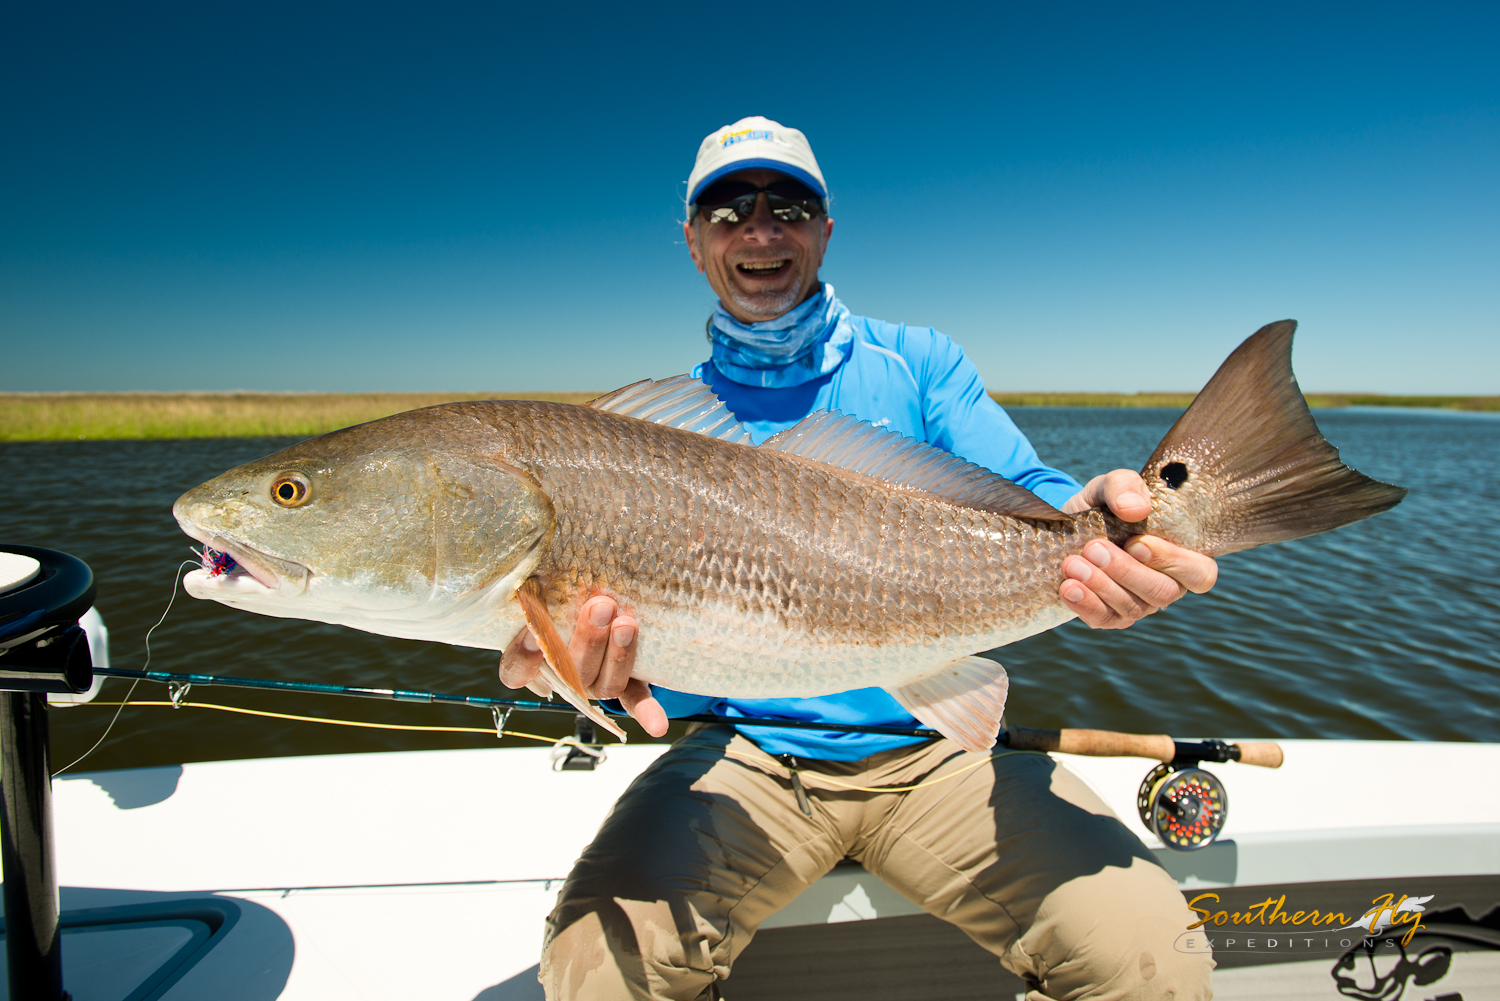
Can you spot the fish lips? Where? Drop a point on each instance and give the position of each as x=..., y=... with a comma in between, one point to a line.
x=277, y=576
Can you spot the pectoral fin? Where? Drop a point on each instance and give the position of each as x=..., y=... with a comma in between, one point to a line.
x=559, y=671
x=963, y=701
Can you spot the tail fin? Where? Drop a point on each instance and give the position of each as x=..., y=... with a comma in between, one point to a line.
x=1246, y=465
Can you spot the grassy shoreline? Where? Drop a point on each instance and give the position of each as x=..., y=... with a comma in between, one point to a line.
x=60, y=416
x=65, y=416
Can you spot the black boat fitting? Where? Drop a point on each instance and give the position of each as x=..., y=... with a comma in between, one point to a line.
x=42, y=649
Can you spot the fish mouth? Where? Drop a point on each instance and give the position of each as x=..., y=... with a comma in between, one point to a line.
x=277, y=576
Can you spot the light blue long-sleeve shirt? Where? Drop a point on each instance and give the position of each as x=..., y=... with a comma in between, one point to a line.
x=914, y=381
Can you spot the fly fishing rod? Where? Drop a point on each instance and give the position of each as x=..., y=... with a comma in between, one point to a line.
x=1096, y=743
x=477, y=701
x=1181, y=803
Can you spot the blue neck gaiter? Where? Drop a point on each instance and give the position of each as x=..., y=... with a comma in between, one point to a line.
x=796, y=347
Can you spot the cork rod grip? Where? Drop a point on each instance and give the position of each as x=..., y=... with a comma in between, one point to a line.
x=1097, y=743
x=1263, y=753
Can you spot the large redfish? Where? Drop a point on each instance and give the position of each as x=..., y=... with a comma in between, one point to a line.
x=835, y=556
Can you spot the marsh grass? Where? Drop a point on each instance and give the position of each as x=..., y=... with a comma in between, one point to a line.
x=57, y=416
x=60, y=416
x=1092, y=399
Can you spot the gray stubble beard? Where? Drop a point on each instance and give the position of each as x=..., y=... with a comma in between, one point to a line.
x=767, y=305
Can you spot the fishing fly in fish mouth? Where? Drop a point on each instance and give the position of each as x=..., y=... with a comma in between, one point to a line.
x=825, y=520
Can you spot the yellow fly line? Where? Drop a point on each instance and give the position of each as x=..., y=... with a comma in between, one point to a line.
x=755, y=759
x=337, y=722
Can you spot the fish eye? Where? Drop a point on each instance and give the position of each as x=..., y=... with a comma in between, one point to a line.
x=289, y=489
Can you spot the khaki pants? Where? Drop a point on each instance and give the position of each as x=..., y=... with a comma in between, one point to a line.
x=1017, y=852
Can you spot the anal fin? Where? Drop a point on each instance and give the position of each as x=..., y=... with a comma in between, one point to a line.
x=559, y=671
x=963, y=701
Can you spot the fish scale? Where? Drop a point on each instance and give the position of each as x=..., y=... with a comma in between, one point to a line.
x=804, y=563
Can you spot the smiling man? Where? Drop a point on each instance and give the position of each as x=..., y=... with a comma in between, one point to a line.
x=733, y=822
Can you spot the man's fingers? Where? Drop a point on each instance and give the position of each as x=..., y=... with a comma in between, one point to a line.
x=1124, y=589
x=1148, y=586
x=1090, y=607
x=590, y=640
x=1121, y=490
x=619, y=658
x=521, y=660
x=638, y=702
x=1194, y=571
x=1125, y=493
x=1119, y=598
x=1091, y=496
x=1109, y=587
x=603, y=648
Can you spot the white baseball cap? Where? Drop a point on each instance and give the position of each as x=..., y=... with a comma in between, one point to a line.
x=755, y=142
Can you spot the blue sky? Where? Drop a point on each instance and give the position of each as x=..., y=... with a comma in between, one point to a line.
x=1086, y=196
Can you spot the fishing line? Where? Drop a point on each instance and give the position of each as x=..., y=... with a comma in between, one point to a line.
x=334, y=722
x=485, y=702
x=176, y=579
x=555, y=741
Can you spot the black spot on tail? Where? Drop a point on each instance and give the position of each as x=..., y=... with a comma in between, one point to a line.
x=1273, y=474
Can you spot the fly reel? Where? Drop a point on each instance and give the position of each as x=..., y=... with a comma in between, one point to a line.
x=1179, y=802
x=1183, y=806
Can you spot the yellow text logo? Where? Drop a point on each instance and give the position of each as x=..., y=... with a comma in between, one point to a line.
x=1389, y=912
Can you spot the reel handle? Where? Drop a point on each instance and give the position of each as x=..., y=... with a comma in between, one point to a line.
x=1262, y=753
x=1096, y=743
x=1109, y=744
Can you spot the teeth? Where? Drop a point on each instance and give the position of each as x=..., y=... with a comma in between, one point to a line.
x=762, y=265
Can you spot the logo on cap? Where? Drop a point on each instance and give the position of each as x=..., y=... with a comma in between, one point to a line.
x=730, y=138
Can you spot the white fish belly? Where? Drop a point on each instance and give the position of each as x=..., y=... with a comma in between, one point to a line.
x=726, y=655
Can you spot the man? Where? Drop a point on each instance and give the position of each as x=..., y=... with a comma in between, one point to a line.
x=731, y=824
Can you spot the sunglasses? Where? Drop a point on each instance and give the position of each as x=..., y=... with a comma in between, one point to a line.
x=734, y=201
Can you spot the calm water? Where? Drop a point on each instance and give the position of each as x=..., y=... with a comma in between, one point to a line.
x=1385, y=629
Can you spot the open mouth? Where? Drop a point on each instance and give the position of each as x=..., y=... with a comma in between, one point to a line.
x=232, y=563
x=762, y=269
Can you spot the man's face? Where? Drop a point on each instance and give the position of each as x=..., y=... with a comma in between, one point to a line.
x=760, y=267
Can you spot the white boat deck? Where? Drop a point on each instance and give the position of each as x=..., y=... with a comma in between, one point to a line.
x=427, y=874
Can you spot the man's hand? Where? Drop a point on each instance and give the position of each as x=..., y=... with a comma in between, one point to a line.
x=603, y=648
x=1110, y=587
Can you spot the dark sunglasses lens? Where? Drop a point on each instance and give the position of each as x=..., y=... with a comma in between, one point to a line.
x=725, y=192
x=733, y=201
x=732, y=211
x=790, y=211
x=793, y=190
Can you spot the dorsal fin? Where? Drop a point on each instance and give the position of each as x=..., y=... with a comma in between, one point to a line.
x=861, y=447
x=680, y=402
